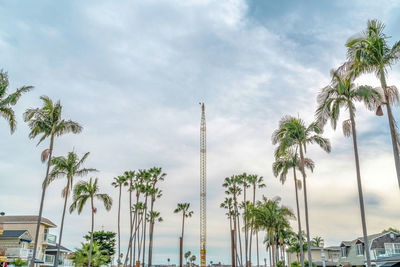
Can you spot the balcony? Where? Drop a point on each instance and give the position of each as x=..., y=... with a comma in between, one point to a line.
x=49, y=239
x=66, y=263
x=380, y=253
x=48, y=260
x=23, y=253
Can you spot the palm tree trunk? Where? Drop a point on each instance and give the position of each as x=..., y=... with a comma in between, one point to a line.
x=270, y=254
x=144, y=232
x=235, y=229
x=42, y=201
x=251, y=226
x=258, y=255
x=392, y=126
x=91, y=233
x=298, y=219
x=151, y=230
x=360, y=192
x=119, y=225
x=245, y=225
x=132, y=238
x=306, y=207
x=62, y=223
x=130, y=220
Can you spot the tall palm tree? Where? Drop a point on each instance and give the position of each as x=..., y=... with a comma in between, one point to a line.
x=228, y=205
x=293, y=132
x=370, y=52
x=47, y=122
x=118, y=182
x=7, y=101
x=186, y=213
x=156, y=176
x=243, y=181
x=256, y=182
x=281, y=167
x=154, y=216
x=343, y=93
x=84, y=191
x=68, y=167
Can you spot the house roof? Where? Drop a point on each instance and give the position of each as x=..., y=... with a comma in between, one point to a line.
x=333, y=248
x=26, y=219
x=361, y=239
x=10, y=234
x=54, y=248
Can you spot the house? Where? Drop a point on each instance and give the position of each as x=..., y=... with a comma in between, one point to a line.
x=16, y=244
x=46, y=240
x=384, y=250
x=331, y=255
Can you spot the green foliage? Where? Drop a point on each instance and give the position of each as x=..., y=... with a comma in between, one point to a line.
x=392, y=229
x=317, y=241
x=7, y=101
x=296, y=264
x=19, y=262
x=81, y=256
x=306, y=264
x=106, y=242
x=279, y=264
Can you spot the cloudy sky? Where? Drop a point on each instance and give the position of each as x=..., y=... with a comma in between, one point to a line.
x=133, y=72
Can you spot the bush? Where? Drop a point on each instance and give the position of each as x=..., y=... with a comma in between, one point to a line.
x=306, y=264
x=296, y=264
x=279, y=264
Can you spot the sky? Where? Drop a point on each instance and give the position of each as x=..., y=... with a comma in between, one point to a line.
x=133, y=72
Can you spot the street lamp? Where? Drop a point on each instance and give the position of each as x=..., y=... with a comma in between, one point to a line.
x=323, y=254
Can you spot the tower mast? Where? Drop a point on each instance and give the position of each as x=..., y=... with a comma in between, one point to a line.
x=203, y=183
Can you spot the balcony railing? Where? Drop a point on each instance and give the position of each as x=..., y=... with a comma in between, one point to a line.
x=47, y=259
x=50, y=239
x=382, y=253
x=23, y=253
x=66, y=263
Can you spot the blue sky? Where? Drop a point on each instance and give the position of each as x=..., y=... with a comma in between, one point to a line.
x=133, y=72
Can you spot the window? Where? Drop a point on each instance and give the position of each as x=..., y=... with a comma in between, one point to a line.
x=360, y=249
x=396, y=248
x=343, y=252
x=392, y=248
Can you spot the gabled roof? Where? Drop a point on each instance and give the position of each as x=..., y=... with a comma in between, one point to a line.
x=16, y=234
x=26, y=219
x=54, y=248
x=361, y=239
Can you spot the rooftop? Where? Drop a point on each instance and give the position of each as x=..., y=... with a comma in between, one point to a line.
x=26, y=219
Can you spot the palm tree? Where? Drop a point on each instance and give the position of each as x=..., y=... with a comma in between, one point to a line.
x=47, y=122
x=84, y=191
x=118, y=183
x=192, y=259
x=271, y=217
x=169, y=260
x=228, y=205
x=243, y=180
x=186, y=213
x=130, y=175
x=256, y=182
x=187, y=255
x=99, y=257
x=368, y=53
x=156, y=176
x=317, y=241
x=7, y=101
x=68, y=167
x=342, y=92
x=154, y=216
x=282, y=165
x=293, y=132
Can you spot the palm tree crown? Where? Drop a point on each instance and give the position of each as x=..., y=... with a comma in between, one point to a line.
x=7, y=101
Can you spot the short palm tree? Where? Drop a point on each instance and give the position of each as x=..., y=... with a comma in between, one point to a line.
x=68, y=167
x=370, y=52
x=118, y=183
x=317, y=241
x=48, y=123
x=281, y=167
x=343, y=93
x=7, y=101
x=84, y=191
x=186, y=213
x=187, y=256
x=293, y=132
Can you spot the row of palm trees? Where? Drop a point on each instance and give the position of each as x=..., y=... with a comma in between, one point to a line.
x=144, y=185
x=237, y=211
x=369, y=52
x=47, y=123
